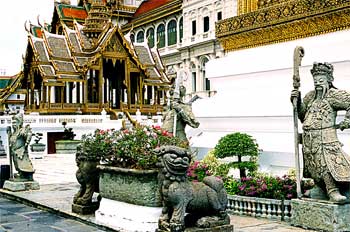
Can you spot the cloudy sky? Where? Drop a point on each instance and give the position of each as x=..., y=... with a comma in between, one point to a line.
x=13, y=39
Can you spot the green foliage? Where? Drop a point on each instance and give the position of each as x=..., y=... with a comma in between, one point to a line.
x=214, y=166
x=129, y=148
x=265, y=186
x=236, y=144
x=197, y=171
x=239, y=145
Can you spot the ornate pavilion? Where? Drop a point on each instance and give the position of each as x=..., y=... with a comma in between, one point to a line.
x=83, y=63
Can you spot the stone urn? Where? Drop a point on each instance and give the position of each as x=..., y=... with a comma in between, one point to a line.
x=139, y=187
x=131, y=199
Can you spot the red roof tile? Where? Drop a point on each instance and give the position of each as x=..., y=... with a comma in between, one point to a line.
x=74, y=13
x=149, y=5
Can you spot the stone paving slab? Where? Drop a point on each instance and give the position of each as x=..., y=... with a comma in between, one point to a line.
x=17, y=217
x=56, y=176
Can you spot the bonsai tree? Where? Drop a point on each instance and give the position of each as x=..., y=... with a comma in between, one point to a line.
x=38, y=137
x=68, y=132
x=239, y=145
x=36, y=146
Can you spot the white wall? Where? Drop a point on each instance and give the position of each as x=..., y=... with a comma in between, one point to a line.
x=253, y=94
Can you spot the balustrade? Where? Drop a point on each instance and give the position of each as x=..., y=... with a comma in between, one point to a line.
x=259, y=207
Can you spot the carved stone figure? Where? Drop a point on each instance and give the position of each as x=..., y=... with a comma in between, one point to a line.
x=178, y=115
x=19, y=139
x=88, y=178
x=324, y=159
x=203, y=203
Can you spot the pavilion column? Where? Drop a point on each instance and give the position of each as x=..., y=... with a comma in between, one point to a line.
x=100, y=87
x=85, y=94
x=67, y=92
x=81, y=92
x=52, y=94
x=74, y=92
x=107, y=91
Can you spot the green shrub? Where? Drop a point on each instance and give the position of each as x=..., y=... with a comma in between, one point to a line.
x=214, y=166
x=128, y=148
x=266, y=186
x=197, y=171
x=239, y=145
x=263, y=186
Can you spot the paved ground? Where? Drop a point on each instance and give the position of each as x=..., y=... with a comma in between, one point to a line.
x=17, y=217
x=56, y=175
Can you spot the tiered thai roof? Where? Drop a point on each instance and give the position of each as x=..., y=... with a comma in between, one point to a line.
x=68, y=56
x=71, y=13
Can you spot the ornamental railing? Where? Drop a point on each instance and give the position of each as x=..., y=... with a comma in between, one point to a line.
x=259, y=207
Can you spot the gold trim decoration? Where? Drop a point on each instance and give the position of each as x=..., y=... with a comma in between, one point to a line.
x=246, y=6
x=284, y=22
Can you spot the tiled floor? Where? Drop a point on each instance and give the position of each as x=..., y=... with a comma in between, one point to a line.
x=18, y=217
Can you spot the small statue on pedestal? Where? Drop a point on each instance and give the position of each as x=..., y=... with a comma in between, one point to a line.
x=200, y=206
x=178, y=115
x=19, y=138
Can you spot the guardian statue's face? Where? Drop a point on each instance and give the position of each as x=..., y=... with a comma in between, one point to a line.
x=321, y=84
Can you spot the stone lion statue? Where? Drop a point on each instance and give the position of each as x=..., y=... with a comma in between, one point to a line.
x=203, y=203
x=87, y=176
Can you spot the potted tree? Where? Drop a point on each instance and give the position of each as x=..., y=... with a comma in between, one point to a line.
x=36, y=146
x=67, y=145
x=238, y=145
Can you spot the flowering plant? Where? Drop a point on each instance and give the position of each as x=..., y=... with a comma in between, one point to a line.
x=129, y=148
x=197, y=171
x=263, y=186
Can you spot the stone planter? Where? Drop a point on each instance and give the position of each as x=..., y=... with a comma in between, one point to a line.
x=139, y=187
x=130, y=199
x=66, y=146
x=37, y=147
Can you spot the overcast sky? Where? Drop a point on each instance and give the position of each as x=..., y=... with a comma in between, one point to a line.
x=13, y=39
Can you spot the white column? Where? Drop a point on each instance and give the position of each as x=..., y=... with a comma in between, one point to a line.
x=107, y=89
x=166, y=34
x=67, y=92
x=103, y=90
x=52, y=100
x=74, y=92
x=81, y=92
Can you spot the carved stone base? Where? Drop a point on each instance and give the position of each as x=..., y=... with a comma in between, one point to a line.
x=16, y=186
x=320, y=215
x=127, y=217
x=85, y=209
x=224, y=228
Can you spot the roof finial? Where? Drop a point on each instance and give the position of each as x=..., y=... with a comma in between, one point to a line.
x=39, y=21
x=25, y=26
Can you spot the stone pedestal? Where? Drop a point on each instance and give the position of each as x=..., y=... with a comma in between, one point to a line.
x=66, y=146
x=225, y=228
x=128, y=217
x=16, y=186
x=85, y=209
x=320, y=215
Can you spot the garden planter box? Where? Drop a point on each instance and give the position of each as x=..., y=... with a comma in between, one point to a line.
x=139, y=187
x=66, y=146
x=260, y=207
x=37, y=147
